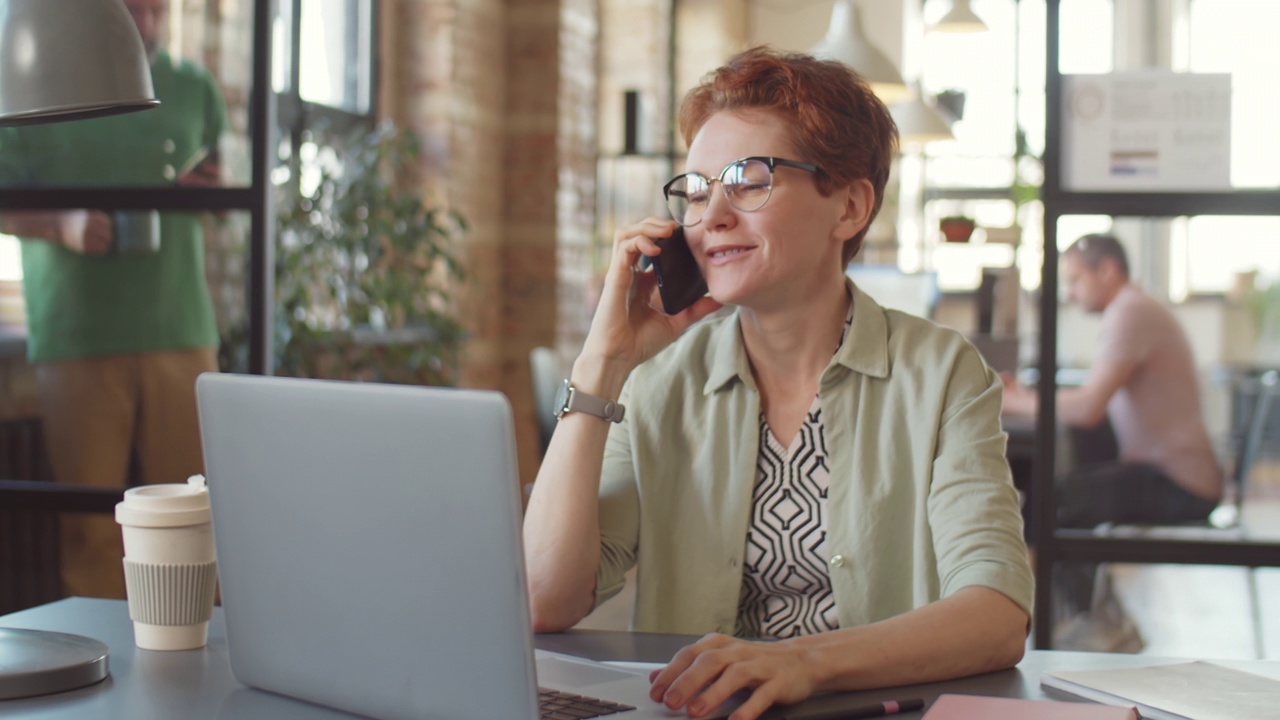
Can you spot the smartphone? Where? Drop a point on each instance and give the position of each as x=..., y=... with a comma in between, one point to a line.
x=680, y=282
x=192, y=162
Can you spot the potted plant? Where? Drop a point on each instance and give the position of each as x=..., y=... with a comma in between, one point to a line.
x=957, y=228
x=364, y=267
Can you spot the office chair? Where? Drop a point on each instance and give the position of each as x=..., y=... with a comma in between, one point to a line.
x=1227, y=514
x=544, y=368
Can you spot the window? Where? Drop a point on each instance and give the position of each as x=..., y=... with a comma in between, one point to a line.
x=1234, y=36
x=1208, y=252
x=334, y=53
x=998, y=135
x=324, y=73
x=990, y=171
x=1238, y=37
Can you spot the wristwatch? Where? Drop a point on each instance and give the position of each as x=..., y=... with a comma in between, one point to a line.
x=571, y=399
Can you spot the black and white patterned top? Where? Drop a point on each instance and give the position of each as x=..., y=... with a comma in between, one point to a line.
x=786, y=589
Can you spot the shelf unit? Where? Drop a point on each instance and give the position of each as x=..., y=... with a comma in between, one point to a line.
x=1054, y=546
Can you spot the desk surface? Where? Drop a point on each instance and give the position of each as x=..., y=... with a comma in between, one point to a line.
x=198, y=684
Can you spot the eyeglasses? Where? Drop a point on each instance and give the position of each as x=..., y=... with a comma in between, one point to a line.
x=747, y=184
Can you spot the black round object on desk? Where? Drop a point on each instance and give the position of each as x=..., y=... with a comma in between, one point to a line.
x=39, y=662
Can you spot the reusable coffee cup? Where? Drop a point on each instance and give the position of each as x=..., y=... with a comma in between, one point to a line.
x=136, y=232
x=170, y=567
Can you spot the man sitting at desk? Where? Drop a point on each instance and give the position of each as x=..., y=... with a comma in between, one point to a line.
x=1144, y=380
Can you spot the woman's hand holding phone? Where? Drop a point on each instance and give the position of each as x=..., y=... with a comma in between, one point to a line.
x=630, y=326
x=680, y=280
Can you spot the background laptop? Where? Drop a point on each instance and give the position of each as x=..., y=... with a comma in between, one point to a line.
x=369, y=551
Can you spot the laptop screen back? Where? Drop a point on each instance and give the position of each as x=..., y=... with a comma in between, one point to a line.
x=368, y=541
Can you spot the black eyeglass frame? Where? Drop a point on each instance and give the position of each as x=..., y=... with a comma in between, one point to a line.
x=771, y=162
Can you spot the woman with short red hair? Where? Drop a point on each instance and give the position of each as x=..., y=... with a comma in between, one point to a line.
x=809, y=468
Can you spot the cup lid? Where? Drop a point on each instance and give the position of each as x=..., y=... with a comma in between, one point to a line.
x=168, y=505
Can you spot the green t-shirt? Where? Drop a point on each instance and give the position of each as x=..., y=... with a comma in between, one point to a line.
x=92, y=306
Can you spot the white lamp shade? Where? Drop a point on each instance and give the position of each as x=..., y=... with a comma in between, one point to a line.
x=70, y=59
x=919, y=122
x=960, y=18
x=846, y=42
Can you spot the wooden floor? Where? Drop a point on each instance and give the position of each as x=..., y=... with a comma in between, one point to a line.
x=1180, y=610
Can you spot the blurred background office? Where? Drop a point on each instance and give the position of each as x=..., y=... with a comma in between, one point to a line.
x=520, y=133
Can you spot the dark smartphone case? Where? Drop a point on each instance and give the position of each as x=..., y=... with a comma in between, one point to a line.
x=680, y=282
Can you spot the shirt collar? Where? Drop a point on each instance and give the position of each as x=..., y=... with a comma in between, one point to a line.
x=865, y=350
x=728, y=357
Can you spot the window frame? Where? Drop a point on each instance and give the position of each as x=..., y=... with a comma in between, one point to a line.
x=296, y=116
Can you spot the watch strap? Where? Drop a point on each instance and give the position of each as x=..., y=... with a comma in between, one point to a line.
x=579, y=401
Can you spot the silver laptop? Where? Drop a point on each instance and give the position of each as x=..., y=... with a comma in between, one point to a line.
x=369, y=550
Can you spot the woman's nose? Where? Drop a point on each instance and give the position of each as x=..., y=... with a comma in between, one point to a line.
x=720, y=212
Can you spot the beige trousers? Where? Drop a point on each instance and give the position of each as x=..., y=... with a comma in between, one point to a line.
x=96, y=412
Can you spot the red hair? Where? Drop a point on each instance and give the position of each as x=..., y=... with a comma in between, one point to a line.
x=836, y=121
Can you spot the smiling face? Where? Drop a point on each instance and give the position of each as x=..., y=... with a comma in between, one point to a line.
x=790, y=248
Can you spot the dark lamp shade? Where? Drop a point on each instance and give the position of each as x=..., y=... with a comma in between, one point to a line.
x=70, y=59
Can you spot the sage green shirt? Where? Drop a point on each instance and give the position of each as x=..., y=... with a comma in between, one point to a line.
x=921, y=502
x=91, y=306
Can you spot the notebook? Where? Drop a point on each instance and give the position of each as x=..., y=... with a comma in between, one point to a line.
x=978, y=707
x=369, y=552
x=1179, y=691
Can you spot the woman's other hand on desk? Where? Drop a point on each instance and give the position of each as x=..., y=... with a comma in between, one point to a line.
x=974, y=630
x=774, y=672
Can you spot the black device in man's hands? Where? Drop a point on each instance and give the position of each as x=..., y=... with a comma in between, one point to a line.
x=680, y=282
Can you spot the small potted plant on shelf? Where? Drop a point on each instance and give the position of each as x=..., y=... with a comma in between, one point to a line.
x=956, y=228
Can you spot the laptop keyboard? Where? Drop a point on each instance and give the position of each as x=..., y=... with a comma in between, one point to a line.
x=556, y=705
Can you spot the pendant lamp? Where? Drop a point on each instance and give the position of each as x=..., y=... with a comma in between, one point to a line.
x=70, y=59
x=919, y=121
x=846, y=42
x=960, y=19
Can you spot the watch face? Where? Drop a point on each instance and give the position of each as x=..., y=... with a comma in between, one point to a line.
x=562, y=398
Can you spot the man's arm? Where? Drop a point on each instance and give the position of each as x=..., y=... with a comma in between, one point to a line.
x=1085, y=406
x=83, y=231
x=1121, y=352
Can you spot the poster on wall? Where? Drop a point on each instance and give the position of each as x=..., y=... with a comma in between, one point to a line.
x=1146, y=131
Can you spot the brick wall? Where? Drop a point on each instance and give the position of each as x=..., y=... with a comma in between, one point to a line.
x=503, y=98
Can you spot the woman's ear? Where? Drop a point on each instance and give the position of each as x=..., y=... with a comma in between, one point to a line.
x=860, y=198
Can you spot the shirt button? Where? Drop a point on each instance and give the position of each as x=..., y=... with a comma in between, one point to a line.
x=169, y=172
x=169, y=147
x=836, y=561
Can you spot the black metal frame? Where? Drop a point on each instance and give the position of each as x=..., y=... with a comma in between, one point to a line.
x=1054, y=546
x=36, y=496
x=51, y=497
x=256, y=198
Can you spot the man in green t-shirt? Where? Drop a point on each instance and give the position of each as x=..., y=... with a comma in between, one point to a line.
x=119, y=318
